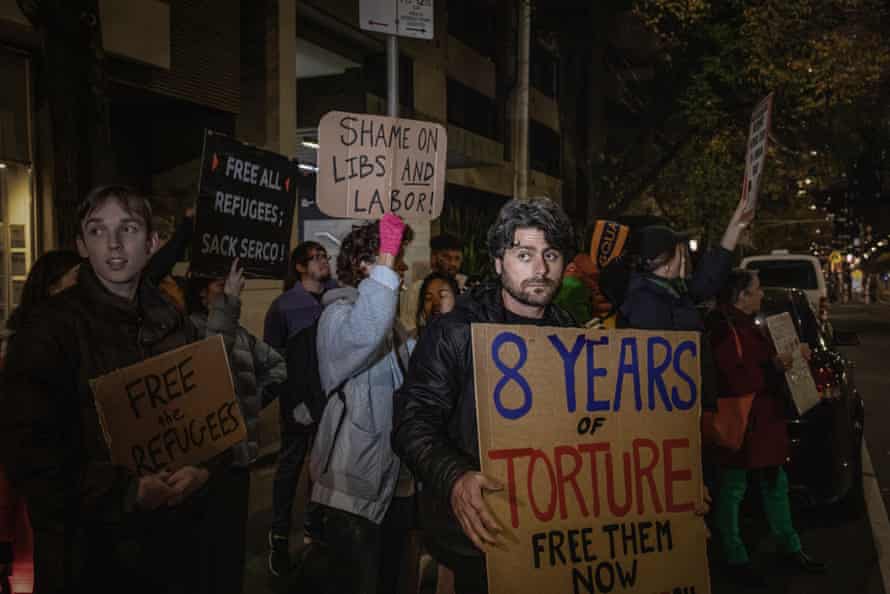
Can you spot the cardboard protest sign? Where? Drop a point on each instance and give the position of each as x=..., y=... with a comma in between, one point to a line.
x=596, y=437
x=369, y=165
x=246, y=202
x=799, y=378
x=758, y=137
x=170, y=411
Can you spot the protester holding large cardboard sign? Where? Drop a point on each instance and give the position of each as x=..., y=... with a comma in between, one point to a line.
x=434, y=428
x=748, y=364
x=595, y=437
x=174, y=410
x=116, y=524
x=246, y=200
x=369, y=165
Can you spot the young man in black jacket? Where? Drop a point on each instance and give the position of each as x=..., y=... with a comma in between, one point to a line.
x=434, y=429
x=97, y=526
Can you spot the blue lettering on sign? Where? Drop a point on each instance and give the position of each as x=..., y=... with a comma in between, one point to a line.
x=568, y=362
x=511, y=373
x=656, y=370
x=593, y=371
x=686, y=345
x=628, y=346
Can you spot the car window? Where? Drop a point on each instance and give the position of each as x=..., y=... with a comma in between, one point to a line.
x=796, y=274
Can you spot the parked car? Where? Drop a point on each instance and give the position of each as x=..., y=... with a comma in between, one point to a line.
x=793, y=271
x=825, y=464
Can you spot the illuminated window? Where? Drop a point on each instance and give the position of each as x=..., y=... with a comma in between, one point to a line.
x=16, y=197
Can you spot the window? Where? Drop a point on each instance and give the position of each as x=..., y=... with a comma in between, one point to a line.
x=16, y=201
x=796, y=274
x=544, y=70
x=471, y=110
x=472, y=22
x=375, y=80
x=543, y=149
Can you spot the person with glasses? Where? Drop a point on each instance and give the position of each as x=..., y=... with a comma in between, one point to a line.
x=294, y=310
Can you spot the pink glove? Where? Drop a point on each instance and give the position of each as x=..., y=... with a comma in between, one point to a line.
x=391, y=229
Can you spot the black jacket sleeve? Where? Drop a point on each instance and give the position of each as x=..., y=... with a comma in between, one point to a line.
x=162, y=263
x=426, y=404
x=41, y=442
x=710, y=274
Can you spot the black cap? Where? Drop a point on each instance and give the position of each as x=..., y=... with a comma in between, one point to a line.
x=657, y=240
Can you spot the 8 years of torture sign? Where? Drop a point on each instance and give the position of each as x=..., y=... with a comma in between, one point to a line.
x=595, y=437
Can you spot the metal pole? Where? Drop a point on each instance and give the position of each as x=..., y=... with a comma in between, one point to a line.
x=392, y=76
x=520, y=159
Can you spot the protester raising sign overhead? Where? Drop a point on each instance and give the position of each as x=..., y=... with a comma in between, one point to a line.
x=245, y=209
x=370, y=165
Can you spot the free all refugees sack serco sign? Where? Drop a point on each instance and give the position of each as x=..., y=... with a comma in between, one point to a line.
x=170, y=411
x=595, y=436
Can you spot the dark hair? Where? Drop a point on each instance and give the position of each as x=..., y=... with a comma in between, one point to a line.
x=452, y=282
x=45, y=272
x=194, y=287
x=361, y=245
x=737, y=282
x=445, y=242
x=132, y=201
x=537, y=213
x=653, y=264
x=299, y=255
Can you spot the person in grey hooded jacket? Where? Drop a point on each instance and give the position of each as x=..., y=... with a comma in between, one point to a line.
x=361, y=360
x=259, y=375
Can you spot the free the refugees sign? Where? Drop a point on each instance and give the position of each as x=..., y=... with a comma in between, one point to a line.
x=170, y=411
x=595, y=437
x=246, y=203
x=370, y=165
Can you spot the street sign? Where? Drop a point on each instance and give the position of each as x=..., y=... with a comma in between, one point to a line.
x=378, y=16
x=406, y=18
x=415, y=18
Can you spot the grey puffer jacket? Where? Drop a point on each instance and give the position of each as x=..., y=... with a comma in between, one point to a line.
x=258, y=371
x=352, y=462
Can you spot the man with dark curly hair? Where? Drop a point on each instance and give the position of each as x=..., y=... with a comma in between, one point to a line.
x=434, y=429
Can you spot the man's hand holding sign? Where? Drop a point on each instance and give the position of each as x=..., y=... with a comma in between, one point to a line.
x=590, y=449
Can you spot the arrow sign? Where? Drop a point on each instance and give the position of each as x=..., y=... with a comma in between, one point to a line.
x=415, y=18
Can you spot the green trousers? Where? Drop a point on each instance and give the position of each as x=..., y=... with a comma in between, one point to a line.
x=733, y=484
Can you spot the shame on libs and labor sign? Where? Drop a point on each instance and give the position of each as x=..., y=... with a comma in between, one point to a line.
x=370, y=165
x=595, y=436
x=246, y=203
x=173, y=410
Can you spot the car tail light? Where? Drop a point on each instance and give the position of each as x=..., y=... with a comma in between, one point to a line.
x=826, y=382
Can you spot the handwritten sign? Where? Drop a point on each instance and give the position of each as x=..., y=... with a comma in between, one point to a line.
x=174, y=410
x=758, y=137
x=246, y=202
x=369, y=165
x=799, y=378
x=595, y=435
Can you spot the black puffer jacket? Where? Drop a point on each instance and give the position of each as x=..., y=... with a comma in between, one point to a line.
x=434, y=429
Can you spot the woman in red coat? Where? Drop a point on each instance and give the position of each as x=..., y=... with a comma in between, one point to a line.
x=748, y=363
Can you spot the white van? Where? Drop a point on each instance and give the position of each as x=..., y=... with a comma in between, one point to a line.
x=796, y=271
